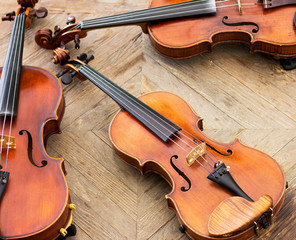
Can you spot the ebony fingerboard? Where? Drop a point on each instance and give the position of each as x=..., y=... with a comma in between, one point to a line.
x=10, y=78
x=155, y=122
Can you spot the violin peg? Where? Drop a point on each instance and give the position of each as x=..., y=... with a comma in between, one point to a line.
x=71, y=20
x=10, y=13
x=68, y=77
x=82, y=57
x=61, y=73
x=9, y=16
x=77, y=41
x=56, y=29
x=41, y=12
x=90, y=58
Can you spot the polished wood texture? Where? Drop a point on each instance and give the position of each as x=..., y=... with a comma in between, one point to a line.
x=238, y=94
x=140, y=148
x=235, y=213
x=186, y=38
x=34, y=205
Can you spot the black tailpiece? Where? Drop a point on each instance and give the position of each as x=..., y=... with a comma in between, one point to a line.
x=4, y=176
x=222, y=176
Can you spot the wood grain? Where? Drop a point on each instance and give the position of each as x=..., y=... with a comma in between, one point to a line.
x=238, y=94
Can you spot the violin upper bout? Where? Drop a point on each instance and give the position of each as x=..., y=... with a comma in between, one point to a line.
x=235, y=214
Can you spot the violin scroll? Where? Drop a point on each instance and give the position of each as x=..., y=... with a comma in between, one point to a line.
x=61, y=56
x=27, y=3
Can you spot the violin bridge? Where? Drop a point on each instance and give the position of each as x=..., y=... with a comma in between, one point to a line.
x=197, y=152
x=239, y=7
x=7, y=142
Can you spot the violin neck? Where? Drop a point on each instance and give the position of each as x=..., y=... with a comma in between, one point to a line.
x=10, y=78
x=151, y=119
x=152, y=15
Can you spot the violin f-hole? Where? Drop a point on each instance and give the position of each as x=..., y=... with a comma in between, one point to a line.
x=30, y=150
x=182, y=174
x=254, y=30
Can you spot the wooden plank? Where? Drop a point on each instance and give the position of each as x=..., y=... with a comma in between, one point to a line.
x=239, y=95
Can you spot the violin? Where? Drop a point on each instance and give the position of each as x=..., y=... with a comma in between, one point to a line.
x=181, y=29
x=34, y=195
x=219, y=191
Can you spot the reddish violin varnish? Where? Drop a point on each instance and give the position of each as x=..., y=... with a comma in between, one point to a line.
x=34, y=204
x=185, y=38
x=255, y=172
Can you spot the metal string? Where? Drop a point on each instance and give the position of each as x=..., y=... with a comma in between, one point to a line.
x=91, y=70
x=8, y=67
x=15, y=51
x=19, y=52
x=120, y=21
x=162, y=11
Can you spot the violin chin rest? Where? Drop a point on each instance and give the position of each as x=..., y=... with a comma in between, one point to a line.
x=236, y=214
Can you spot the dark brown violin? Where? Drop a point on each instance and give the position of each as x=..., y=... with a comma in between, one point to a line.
x=34, y=195
x=181, y=29
x=219, y=191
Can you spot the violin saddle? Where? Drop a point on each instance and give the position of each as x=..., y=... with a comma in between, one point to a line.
x=235, y=214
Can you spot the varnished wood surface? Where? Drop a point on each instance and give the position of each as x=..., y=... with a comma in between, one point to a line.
x=238, y=95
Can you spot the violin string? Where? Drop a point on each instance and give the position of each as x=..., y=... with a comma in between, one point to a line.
x=191, y=140
x=192, y=149
x=143, y=18
x=159, y=129
x=151, y=11
x=8, y=66
x=16, y=58
x=80, y=25
x=120, y=21
x=2, y=93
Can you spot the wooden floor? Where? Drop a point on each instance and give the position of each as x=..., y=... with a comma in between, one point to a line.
x=239, y=95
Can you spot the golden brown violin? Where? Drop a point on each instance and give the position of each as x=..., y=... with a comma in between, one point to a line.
x=219, y=191
x=34, y=195
x=181, y=29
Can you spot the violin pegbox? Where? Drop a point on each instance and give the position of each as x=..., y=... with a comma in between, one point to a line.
x=27, y=7
x=67, y=74
x=58, y=38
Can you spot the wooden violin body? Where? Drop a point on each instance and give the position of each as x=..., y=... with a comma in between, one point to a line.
x=35, y=202
x=254, y=171
x=181, y=29
x=270, y=31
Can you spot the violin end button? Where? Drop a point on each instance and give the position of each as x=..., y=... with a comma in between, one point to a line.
x=182, y=229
